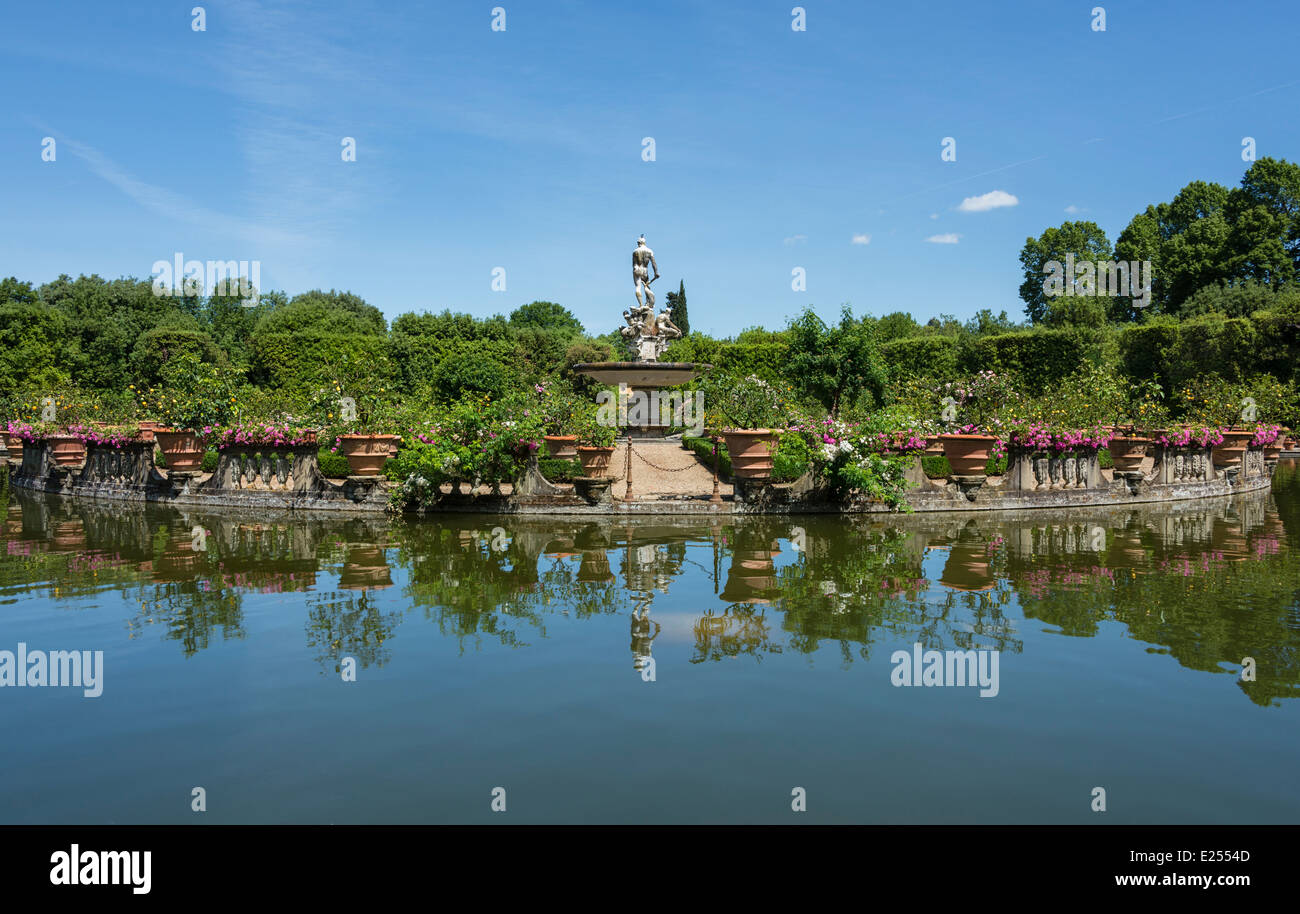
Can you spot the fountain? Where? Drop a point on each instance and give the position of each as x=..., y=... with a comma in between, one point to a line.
x=646, y=336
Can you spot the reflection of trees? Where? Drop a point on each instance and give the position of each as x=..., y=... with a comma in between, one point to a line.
x=1210, y=587
x=190, y=614
x=349, y=625
x=852, y=584
x=474, y=582
x=1209, y=583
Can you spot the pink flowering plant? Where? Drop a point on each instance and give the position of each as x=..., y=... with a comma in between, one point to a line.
x=1266, y=435
x=257, y=434
x=855, y=457
x=476, y=439
x=1191, y=436
x=108, y=436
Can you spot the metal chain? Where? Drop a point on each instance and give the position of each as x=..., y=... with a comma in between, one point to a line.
x=665, y=469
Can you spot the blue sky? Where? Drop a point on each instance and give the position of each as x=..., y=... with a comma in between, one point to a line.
x=522, y=148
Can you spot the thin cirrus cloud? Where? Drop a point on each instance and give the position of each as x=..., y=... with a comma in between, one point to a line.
x=994, y=199
x=947, y=238
x=861, y=239
x=172, y=205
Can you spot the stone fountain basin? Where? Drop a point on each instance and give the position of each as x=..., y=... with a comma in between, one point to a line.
x=642, y=374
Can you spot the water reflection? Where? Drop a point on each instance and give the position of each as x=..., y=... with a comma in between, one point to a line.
x=1208, y=583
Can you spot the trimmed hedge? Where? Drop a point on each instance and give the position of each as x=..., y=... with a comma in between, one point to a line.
x=937, y=466
x=292, y=361
x=332, y=465
x=766, y=360
x=921, y=357
x=560, y=469
x=703, y=449
x=1043, y=358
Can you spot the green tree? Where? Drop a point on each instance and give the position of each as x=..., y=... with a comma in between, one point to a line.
x=677, y=302
x=323, y=312
x=1086, y=242
x=546, y=315
x=836, y=365
x=897, y=325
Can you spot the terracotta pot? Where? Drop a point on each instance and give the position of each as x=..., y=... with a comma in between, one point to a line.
x=148, y=428
x=595, y=460
x=367, y=453
x=14, y=445
x=393, y=448
x=1235, y=442
x=1127, y=453
x=182, y=448
x=562, y=446
x=968, y=455
x=934, y=448
x=750, y=450
x=66, y=450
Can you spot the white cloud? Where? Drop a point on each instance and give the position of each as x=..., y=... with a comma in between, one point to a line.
x=934, y=215
x=949, y=238
x=862, y=239
x=795, y=239
x=992, y=200
x=1072, y=209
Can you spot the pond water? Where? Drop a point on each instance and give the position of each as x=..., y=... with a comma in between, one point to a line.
x=656, y=669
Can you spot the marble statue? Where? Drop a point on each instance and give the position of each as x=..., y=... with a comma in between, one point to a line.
x=646, y=333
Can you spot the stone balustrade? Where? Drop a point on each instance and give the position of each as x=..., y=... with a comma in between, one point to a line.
x=286, y=477
x=254, y=469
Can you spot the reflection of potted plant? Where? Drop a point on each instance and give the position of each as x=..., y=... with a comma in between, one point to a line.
x=967, y=567
x=595, y=442
x=366, y=568
x=749, y=410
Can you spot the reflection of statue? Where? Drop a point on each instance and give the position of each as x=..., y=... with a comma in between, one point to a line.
x=642, y=637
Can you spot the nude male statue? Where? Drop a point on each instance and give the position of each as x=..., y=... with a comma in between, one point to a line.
x=641, y=277
x=665, y=326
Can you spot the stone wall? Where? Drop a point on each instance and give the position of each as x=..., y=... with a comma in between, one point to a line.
x=290, y=479
x=286, y=478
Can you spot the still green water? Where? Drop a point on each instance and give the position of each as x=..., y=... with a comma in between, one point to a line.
x=655, y=669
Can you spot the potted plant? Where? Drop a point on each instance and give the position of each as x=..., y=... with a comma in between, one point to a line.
x=1143, y=409
x=1235, y=442
x=558, y=408
x=750, y=412
x=193, y=399
x=595, y=439
x=971, y=409
x=353, y=403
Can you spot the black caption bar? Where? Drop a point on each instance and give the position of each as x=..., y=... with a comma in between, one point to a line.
x=334, y=863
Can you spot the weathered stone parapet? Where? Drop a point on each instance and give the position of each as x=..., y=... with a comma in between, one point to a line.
x=1035, y=471
x=285, y=469
x=283, y=478
x=128, y=465
x=288, y=479
x=1175, y=465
